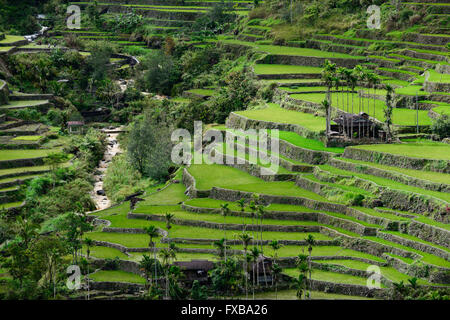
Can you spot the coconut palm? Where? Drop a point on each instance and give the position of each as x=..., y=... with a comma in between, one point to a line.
x=224, y=210
x=246, y=239
x=169, y=217
x=152, y=232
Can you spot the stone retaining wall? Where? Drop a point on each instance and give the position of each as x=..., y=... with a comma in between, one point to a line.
x=4, y=92
x=236, y=121
x=397, y=160
x=429, y=233
x=234, y=195
x=189, y=182
x=17, y=163
x=415, y=245
x=308, y=61
x=437, y=86
x=399, y=177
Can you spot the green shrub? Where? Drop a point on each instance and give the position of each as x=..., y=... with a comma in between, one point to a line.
x=441, y=127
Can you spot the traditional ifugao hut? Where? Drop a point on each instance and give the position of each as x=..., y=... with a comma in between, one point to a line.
x=195, y=270
x=356, y=126
x=75, y=127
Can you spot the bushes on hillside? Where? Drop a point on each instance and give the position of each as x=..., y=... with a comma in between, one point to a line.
x=441, y=127
x=240, y=89
x=149, y=148
x=122, y=180
x=160, y=73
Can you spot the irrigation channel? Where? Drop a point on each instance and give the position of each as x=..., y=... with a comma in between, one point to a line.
x=113, y=148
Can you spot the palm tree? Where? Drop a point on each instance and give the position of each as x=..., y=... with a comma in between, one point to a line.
x=255, y=255
x=261, y=213
x=220, y=246
x=246, y=239
x=224, y=210
x=326, y=107
x=340, y=75
x=276, y=271
x=302, y=266
x=388, y=112
x=152, y=232
x=275, y=245
x=241, y=204
x=310, y=241
x=166, y=256
x=352, y=81
x=328, y=76
x=169, y=217
x=146, y=265
x=88, y=242
x=300, y=285
x=253, y=208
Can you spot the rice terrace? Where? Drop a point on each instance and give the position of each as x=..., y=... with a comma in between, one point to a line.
x=225, y=150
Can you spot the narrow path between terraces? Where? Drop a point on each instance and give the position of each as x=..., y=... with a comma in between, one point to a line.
x=113, y=148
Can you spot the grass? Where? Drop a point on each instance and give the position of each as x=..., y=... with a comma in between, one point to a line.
x=117, y=276
x=422, y=149
x=27, y=138
x=432, y=176
x=105, y=253
x=283, y=68
x=10, y=39
x=10, y=205
x=293, y=51
x=23, y=104
x=387, y=272
x=203, y=92
x=213, y=203
x=214, y=175
x=171, y=195
x=274, y=113
x=306, y=143
x=24, y=170
x=438, y=77
x=329, y=276
x=25, y=154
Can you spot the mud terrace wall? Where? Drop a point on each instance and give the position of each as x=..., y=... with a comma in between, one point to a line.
x=397, y=161
x=437, y=87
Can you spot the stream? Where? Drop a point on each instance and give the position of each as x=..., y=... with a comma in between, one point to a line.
x=113, y=148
